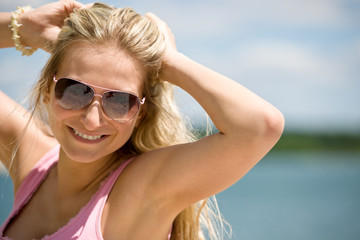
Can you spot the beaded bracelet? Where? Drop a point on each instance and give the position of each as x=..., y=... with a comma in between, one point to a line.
x=15, y=25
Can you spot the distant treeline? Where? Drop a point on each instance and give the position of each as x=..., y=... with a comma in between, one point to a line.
x=320, y=141
x=298, y=141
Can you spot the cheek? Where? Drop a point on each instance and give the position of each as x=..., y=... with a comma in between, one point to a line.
x=56, y=114
x=125, y=130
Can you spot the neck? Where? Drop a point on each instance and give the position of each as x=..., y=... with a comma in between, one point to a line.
x=74, y=178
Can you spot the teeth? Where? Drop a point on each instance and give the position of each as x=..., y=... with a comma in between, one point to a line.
x=84, y=136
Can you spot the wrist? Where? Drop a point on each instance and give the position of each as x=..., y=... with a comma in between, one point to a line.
x=15, y=27
x=171, y=66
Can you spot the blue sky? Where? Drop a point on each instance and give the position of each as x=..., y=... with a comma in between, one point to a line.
x=301, y=55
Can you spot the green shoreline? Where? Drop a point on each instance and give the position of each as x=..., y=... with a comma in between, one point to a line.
x=296, y=141
x=304, y=141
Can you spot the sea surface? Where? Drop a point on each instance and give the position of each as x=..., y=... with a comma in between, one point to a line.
x=292, y=195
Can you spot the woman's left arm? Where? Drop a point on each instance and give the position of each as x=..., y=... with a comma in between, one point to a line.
x=248, y=128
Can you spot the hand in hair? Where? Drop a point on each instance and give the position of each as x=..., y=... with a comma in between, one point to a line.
x=41, y=26
x=171, y=49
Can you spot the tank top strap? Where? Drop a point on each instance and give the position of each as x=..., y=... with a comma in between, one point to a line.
x=109, y=182
x=31, y=182
x=86, y=225
x=35, y=177
x=89, y=218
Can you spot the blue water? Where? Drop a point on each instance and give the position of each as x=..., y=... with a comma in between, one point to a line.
x=297, y=196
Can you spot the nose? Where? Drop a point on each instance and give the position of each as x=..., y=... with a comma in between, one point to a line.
x=92, y=117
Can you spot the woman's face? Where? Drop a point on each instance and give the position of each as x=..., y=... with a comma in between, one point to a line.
x=78, y=131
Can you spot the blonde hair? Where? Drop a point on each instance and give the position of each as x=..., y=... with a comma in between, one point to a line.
x=139, y=37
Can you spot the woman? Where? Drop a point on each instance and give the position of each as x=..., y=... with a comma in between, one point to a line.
x=105, y=154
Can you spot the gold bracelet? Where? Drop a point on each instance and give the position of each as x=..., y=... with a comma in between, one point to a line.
x=15, y=25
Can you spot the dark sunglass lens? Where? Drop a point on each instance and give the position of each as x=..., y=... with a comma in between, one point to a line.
x=120, y=106
x=72, y=95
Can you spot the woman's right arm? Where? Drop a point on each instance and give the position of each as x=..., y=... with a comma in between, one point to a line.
x=5, y=31
x=13, y=119
x=39, y=26
x=32, y=143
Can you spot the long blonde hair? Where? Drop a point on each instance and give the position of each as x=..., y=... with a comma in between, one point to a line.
x=139, y=37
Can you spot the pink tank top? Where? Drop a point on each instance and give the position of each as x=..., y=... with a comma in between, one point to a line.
x=86, y=225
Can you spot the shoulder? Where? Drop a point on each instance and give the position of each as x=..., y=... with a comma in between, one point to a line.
x=34, y=143
x=133, y=202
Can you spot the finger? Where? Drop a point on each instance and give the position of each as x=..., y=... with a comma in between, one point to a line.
x=70, y=5
x=164, y=29
x=78, y=5
x=150, y=15
x=159, y=23
x=51, y=34
x=153, y=17
x=81, y=6
x=89, y=5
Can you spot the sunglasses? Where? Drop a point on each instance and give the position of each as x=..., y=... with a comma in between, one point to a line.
x=75, y=95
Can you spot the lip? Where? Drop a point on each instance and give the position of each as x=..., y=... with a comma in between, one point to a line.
x=83, y=140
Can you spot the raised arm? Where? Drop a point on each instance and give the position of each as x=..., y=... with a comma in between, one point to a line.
x=249, y=127
x=32, y=144
x=5, y=31
x=39, y=27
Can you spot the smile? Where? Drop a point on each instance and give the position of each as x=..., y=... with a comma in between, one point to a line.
x=87, y=137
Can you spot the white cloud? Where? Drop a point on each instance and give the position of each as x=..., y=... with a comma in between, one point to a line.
x=297, y=12
x=282, y=56
x=278, y=58
x=306, y=85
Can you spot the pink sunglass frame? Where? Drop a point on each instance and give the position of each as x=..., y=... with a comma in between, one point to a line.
x=141, y=101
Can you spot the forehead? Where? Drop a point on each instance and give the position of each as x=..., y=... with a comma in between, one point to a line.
x=102, y=65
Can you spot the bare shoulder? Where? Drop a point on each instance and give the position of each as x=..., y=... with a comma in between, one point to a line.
x=21, y=136
x=134, y=208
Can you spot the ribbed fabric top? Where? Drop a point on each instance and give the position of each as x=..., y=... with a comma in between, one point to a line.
x=86, y=224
